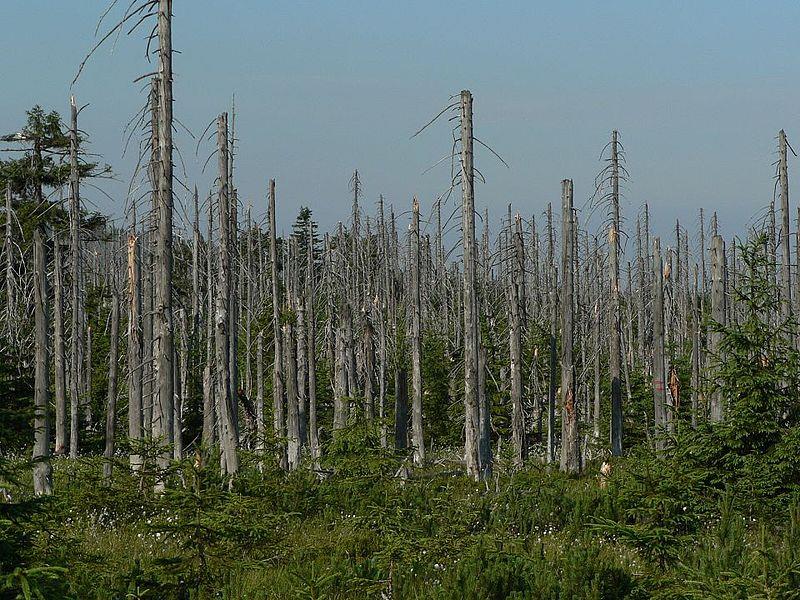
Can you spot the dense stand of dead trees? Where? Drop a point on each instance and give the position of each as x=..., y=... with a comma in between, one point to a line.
x=541, y=341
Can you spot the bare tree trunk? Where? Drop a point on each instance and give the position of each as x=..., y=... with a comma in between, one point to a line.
x=11, y=304
x=76, y=341
x=786, y=263
x=290, y=366
x=471, y=333
x=570, y=443
x=260, y=430
x=42, y=471
x=616, y=389
x=311, y=348
x=182, y=382
x=517, y=300
x=277, y=373
x=60, y=360
x=134, y=350
x=554, y=318
x=659, y=365
x=163, y=326
x=111, y=403
x=224, y=390
x=695, y=349
x=417, y=441
x=718, y=316
x=209, y=409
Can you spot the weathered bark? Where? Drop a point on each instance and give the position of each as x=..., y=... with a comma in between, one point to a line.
x=554, y=319
x=111, y=401
x=417, y=440
x=163, y=325
x=134, y=350
x=209, y=408
x=11, y=304
x=42, y=471
x=311, y=348
x=517, y=301
x=471, y=333
x=290, y=368
x=614, y=362
x=225, y=399
x=659, y=365
x=716, y=410
x=59, y=358
x=786, y=259
x=695, y=349
x=76, y=340
x=570, y=443
x=277, y=372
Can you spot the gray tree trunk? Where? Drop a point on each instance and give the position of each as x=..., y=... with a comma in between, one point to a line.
x=134, y=350
x=417, y=440
x=277, y=372
x=42, y=471
x=517, y=301
x=716, y=410
x=613, y=240
x=570, y=443
x=659, y=364
x=76, y=340
x=163, y=326
x=229, y=458
x=59, y=359
x=471, y=333
x=111, y=402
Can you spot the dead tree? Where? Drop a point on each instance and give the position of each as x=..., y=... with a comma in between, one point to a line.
x=517, y=301
x=659, y=356
x=570, y=443
x=76, y=340
x=163, y=325
x=42, y=471
x=134, y=349
x=59, y=369
x=718, y=311
x=111, y=402
x=552, y=346
x=277, y=371
x=290, y=369
x=8, y=246
x=225, y=393
x=471, y=334
x=311, y=348
x=613, y=240
x=416, y=341
x=786, y=259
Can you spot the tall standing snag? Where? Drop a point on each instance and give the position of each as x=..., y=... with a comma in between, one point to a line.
x=786, y=259
x=134, y=350
x=416, y=342
x=570, y=444
x=165, y=352
x=111, y=404
x=659, y=364
x=613, y=240
x=718, y=313
x=76, y=340
x=471, y=334
x=225, y=393
x=58, y=343
x=277, y=372
x=517, y=301
x=42, y=471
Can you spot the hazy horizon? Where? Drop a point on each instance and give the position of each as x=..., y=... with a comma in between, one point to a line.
x=698, y=94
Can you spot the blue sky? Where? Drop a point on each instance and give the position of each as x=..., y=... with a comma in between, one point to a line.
x=698, y=91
